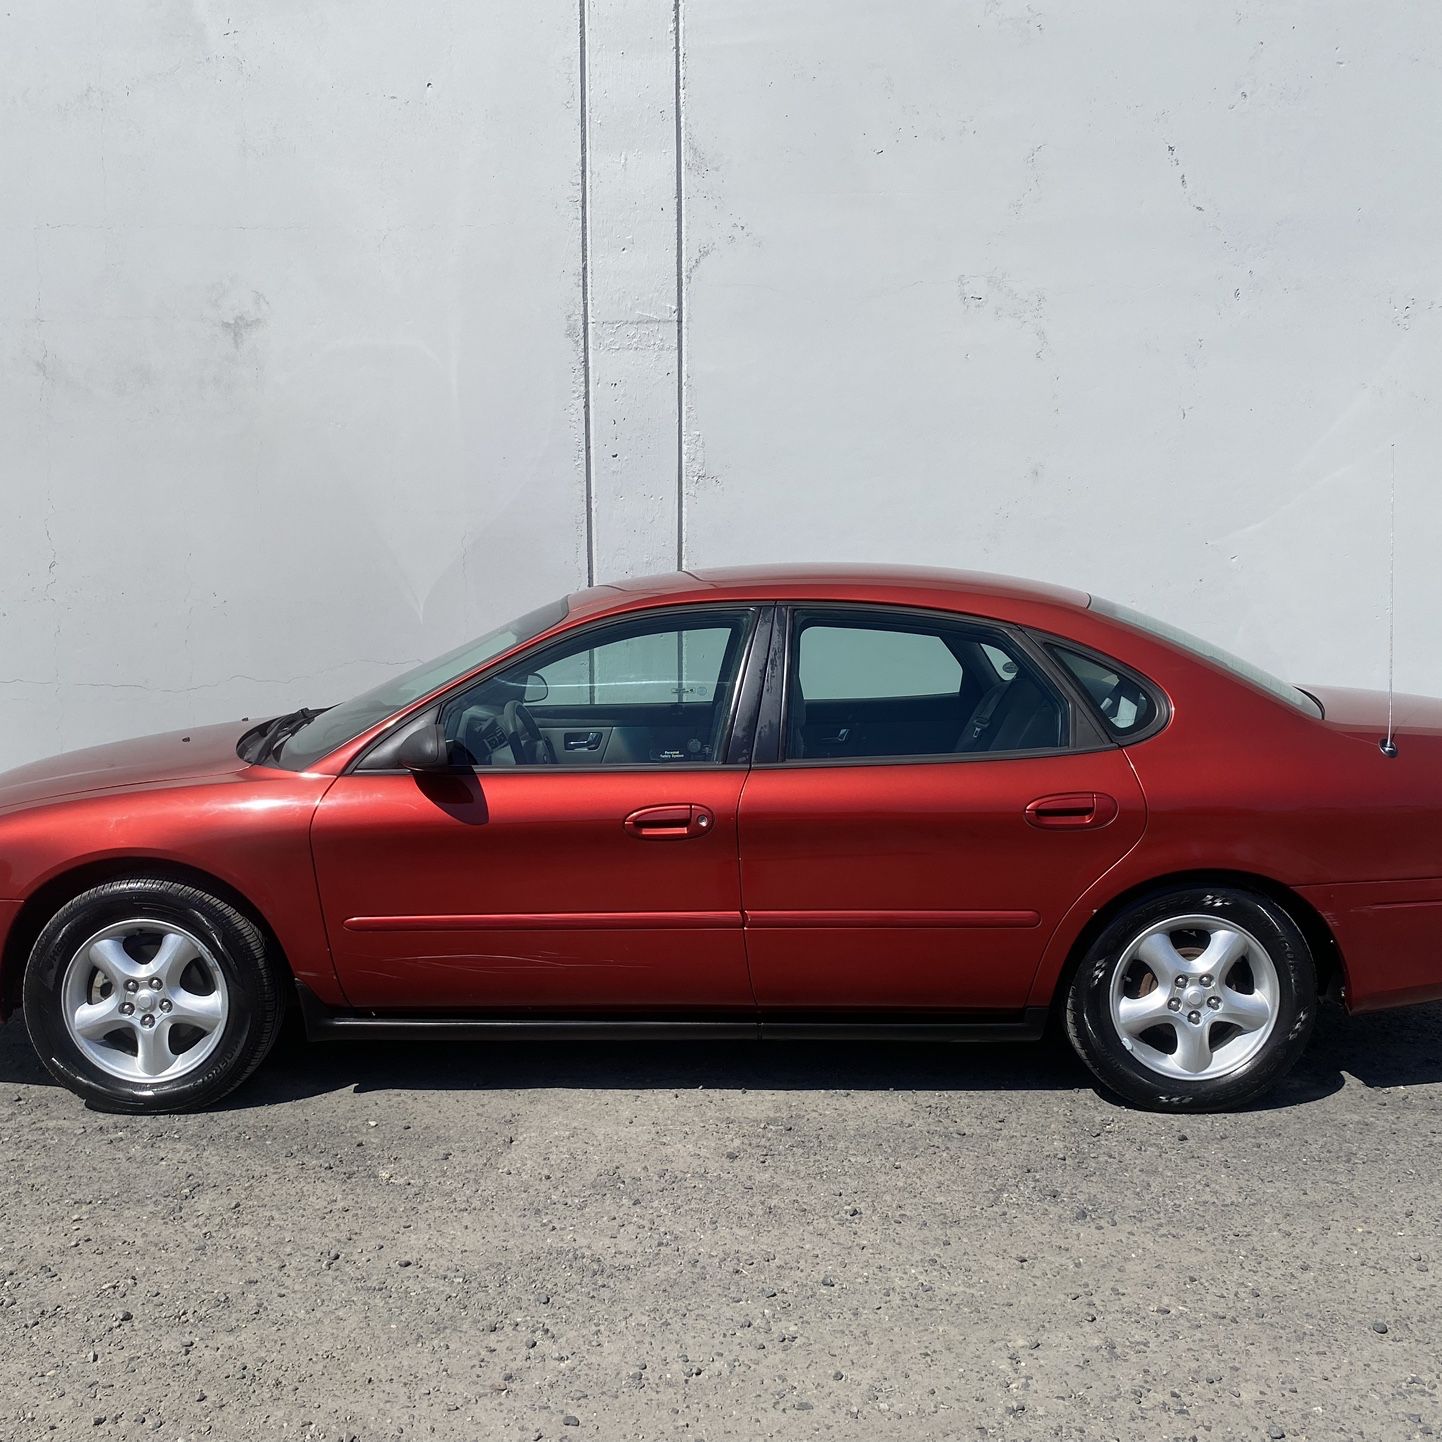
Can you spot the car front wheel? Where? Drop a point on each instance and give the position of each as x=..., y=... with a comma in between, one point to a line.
x=1195, y=999
x=149, y=995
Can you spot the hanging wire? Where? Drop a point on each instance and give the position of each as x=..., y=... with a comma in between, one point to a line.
x=1389, y=746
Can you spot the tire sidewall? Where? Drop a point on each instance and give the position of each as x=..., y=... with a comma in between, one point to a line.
x=1095, y=1034
x=230, y=941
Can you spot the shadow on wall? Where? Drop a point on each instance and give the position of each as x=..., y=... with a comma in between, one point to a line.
x=1389, y=1049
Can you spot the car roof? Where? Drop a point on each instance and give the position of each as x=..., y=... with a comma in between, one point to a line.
x=891, y=585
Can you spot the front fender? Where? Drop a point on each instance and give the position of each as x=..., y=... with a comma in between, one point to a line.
x=249, y=831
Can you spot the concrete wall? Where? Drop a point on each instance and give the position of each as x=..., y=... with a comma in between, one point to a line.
x=330, y=333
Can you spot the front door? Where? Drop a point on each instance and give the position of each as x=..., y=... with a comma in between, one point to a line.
x=930, y=820
x=583, y=861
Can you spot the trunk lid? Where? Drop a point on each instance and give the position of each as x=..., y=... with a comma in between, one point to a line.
x=1364, y=713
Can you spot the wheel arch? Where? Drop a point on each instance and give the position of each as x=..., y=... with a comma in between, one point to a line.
x=56, y=890
x=1327, y=955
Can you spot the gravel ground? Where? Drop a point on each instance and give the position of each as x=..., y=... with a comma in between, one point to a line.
x=728, y=1241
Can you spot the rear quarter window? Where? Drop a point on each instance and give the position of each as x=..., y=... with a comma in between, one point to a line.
x=1127, y=707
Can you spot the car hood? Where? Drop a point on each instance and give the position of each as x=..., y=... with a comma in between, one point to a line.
x=1366, y=711
x=173, y=756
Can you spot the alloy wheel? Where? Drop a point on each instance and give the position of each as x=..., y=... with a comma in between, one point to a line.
x=1194, y=997
x=145, y=1000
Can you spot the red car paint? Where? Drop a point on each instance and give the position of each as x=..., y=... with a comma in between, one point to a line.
x=944, y=886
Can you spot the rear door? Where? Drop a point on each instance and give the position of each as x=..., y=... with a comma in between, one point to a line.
x=938, y=801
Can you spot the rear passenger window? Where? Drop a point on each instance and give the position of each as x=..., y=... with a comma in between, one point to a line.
x=893, y=686
x=895, y=663
x=1127, y=707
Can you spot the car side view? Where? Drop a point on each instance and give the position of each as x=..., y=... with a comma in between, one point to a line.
x=771, y=802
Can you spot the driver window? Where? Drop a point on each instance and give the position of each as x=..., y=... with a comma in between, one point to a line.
x=640, y=693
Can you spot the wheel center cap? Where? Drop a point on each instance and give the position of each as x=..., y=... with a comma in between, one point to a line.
x=1195, y=996
x=146, y=999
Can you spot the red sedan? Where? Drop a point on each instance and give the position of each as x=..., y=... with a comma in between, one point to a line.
x=838, y=803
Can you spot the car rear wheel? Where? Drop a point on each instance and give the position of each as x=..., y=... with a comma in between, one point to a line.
x=149, y=995
x=1194, y=999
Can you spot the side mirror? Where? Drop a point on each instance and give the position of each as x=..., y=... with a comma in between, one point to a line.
x=537, y=689
x=426, y=749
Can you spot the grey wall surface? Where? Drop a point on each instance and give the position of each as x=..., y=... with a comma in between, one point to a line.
x=330, y=334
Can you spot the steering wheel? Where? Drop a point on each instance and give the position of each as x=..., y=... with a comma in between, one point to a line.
x=528, y=745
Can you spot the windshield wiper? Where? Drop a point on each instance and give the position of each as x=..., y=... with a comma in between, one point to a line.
x=276, y=732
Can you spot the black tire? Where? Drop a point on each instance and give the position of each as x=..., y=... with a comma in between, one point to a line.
x=254, y=986
x=1095, y=1035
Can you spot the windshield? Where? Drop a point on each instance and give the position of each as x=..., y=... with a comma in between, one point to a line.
x=345, y=722
x=1218, y=657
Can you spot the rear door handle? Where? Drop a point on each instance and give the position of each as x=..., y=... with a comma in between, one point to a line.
x=669, y=823
x=1072, y=811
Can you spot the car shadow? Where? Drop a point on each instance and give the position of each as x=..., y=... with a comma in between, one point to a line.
x=1388, y=1049
x=656, y=1065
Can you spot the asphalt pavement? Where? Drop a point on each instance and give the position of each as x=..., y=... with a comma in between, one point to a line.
x=848, y=1240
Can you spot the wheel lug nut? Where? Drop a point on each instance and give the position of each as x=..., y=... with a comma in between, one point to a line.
x=1174, y=1004
x=166, y=1004
x=126, y=1008
x=1206, y=981
x=1180, y=982
x=155, y=983
x=1214, y=1002
x=132, y=986
x=147, y=1020
x=1194, y=1017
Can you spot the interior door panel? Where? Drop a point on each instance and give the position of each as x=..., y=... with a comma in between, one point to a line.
x=894, y=726
x=628, y=735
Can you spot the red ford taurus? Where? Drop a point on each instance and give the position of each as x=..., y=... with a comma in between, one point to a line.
x=839, y=803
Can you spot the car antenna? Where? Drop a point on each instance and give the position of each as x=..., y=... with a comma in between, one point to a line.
x=1388, y=743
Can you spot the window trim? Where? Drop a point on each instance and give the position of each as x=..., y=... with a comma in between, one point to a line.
x=755, y=616
x=1083, y=735
x=746, y=703
x=1050, y=642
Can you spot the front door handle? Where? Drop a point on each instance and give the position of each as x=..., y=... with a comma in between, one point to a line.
x=1073, y=811
x=669, y=823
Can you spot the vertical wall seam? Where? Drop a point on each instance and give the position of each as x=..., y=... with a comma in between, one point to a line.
x=680, y=290
x=590, y=486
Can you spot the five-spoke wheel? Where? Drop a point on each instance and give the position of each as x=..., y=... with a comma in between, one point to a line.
x=148, y=994
x=144, y=999
x=1195, y=998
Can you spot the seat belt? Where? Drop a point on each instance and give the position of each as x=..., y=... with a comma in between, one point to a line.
x=981, y=717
